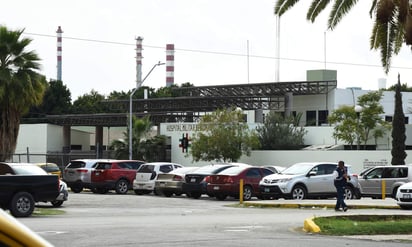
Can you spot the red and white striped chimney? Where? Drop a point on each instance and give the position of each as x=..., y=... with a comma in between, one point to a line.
x=139, y=57
x=170, y=64
x=59, y=53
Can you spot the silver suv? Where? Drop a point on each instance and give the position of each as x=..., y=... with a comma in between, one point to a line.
x=371, y=180
x=307, y=180
x=77, y=174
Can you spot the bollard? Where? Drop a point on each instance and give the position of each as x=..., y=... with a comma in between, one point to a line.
x=383, y=189
x=241, y=191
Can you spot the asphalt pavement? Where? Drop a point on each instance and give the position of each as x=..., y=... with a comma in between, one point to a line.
x=353, y=205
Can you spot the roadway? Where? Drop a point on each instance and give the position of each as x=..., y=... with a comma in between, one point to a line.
x=148, y=220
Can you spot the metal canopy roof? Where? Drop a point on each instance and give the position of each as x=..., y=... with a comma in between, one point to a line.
x=192, y=102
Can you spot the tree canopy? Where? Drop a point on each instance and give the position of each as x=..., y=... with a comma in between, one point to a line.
x=392, y=22
x=222, y=136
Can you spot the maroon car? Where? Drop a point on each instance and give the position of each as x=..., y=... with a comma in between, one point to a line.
x=226, y=183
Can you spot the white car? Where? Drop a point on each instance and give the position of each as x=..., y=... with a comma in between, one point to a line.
x=306, y=180
x=147, y=173
x=404, y=196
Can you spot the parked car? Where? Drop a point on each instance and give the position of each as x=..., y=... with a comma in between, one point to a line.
x=77, y=174
x=227, y=182
x=115, y=175
x=395, y=176
x=171, y=183
x=146, y=176
x=23, y=184
x=307, y=180
x=15, y=233
x=50, y=168
x=404, y=196
x=195, y=182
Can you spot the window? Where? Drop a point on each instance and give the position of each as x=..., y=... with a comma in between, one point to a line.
x=310, y=118
x=253, y=173
x=323, y=117
x=166, y=168
x=375, y=173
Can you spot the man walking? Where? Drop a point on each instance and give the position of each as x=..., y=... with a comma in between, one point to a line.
x=341, y=177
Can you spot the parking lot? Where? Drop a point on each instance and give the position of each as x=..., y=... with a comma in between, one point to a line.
x=148, y=220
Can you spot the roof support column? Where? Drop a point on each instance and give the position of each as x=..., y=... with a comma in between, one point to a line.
x=99, y=142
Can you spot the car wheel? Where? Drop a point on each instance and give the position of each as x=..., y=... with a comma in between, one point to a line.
x=167, y=193
x=395, y=190
x=101, y=190
x=221, y=197
x=298, y=192
x=122, y=186
x=195, y=195
x=57, y=204
x=138, y=192
x=22, y=204
x=405, y=207
x=76, y=189
x=349, y=194
x=247, y=193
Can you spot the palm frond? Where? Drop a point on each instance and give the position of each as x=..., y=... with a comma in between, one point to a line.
x=316, y=7
x=339, y=10
x=282, y=6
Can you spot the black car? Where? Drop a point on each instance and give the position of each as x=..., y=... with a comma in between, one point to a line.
x=195, y=184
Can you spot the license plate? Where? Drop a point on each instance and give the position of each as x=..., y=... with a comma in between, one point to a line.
x=193, y=180
x=97, y=173
x=216, y=188
x=407, y=196
x=162, y=184
x=267, y=190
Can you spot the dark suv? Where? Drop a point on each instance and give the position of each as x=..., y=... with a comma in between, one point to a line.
x=115, y=175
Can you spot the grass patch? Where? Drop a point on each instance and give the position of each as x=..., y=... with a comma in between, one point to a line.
x=365, y=224
x=47, y=211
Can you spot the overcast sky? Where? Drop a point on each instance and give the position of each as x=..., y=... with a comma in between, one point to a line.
x=212, y=41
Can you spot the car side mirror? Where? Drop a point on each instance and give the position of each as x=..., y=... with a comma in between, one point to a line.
x=312, y=174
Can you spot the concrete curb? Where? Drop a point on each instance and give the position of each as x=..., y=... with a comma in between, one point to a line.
x=308, y=224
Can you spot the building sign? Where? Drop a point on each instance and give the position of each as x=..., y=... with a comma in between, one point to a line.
x=181, y=127
x=369, y=163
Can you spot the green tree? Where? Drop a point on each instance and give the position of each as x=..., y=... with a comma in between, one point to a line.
x=280, y=132
x=89, y=104
x=21, y=86
x=351, y=126
x=56, y=101
x=392, y=22
x=224, y=136
x=141, y=130
x=398, y=129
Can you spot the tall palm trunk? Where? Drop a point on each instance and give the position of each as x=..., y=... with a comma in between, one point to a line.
x=9, y=130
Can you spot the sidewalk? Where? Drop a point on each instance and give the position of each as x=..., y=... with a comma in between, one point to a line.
x=364, y=203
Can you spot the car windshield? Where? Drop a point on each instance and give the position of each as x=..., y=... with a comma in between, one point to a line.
x=29, y=170
x=297, y=169
x=76, y=164
x=50, y=168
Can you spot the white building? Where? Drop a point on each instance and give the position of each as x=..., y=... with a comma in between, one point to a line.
x=45, y=138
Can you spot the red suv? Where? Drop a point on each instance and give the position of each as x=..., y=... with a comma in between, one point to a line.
x=115, y=175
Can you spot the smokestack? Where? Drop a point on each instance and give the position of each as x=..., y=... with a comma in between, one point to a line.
x=170, y=64
x=59, y=53
x=139, y=58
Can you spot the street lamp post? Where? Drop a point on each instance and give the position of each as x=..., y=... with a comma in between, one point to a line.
x=358, y=110
x=138, y=85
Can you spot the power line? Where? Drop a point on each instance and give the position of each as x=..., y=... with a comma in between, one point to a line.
x=217, y=52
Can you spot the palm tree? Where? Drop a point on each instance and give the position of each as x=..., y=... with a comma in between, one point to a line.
x=20, y=86
x=141, y=129
x=392, y=22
